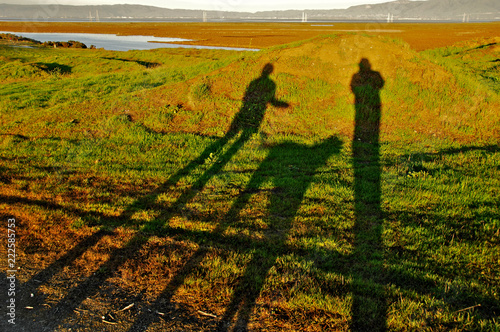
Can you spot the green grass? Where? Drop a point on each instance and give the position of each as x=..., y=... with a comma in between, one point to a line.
x=270, y=227
x=475, y=65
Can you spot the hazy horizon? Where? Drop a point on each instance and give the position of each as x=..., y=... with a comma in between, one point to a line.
x=224, y=5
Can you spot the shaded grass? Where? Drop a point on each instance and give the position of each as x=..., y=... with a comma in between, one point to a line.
x=440, y=231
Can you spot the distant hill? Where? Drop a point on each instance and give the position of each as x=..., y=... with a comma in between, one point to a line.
x=450, y=10
x=431, y=10
x=37, y=12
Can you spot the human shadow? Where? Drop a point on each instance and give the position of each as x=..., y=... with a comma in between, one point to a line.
x=258, y=95
x=290, y=168
x=260, y=92
x=369, y=308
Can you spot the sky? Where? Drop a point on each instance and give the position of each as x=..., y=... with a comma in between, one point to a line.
x=220, y=5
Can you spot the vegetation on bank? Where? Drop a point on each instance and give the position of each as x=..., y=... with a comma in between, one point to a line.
x=19, y=39
x=194, y=180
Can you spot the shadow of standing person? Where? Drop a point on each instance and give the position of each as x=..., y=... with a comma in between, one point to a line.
x=260, y=92
x=290, y=168
x=369, y=306
x=258, y=95
x=366, y=85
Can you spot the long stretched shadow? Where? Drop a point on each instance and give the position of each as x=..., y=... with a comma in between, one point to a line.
x=369, y=308
x=290, y=184
x=259, y=94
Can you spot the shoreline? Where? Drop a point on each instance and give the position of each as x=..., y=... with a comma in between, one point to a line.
x=420, y=36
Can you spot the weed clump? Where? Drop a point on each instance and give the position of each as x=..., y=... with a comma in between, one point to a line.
x=201, y=91
x=15, y=38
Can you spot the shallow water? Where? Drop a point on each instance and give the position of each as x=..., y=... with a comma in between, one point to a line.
x=119, y=43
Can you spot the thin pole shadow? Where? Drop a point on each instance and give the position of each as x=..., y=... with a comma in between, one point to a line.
x=369, y=308
x=259, y=94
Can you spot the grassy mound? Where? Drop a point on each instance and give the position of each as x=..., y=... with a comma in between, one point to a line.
x=421, y=99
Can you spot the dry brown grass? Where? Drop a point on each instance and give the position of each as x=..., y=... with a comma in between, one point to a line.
x=409, y=77
x=420, y=36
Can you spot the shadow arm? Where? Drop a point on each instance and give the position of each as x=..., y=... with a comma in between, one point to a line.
x=279, y=103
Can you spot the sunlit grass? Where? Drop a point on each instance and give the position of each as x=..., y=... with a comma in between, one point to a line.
x=95, y=147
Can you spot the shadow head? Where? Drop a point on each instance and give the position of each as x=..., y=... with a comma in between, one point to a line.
x=365, y=65
x=267, y=70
